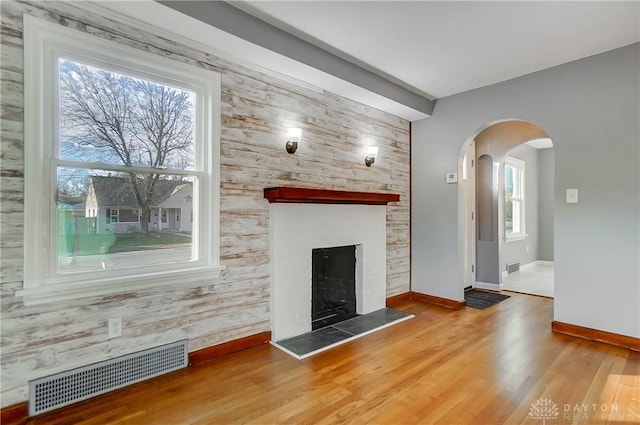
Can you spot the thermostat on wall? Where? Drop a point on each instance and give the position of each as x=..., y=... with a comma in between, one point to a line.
x=452, y=177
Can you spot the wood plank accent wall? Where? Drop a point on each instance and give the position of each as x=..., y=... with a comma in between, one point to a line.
x=257, y=111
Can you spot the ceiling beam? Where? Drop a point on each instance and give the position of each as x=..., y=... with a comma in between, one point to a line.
x=243, y=25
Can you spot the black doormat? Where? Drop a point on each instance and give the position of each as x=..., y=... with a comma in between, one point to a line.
x=482, y=299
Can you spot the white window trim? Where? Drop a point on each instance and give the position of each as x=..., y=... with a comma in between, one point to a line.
x=44, y=42
x=514, y=237
x=522, y=234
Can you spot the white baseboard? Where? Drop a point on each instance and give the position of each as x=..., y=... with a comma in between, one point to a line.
x=529, y=265
x=488, y=286
x=537, y=263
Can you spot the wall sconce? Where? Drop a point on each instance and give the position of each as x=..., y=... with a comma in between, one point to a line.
x=295, y=135
x=370, y=155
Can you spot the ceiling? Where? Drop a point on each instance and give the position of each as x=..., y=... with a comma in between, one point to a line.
x=426, y=49
x=440, y=48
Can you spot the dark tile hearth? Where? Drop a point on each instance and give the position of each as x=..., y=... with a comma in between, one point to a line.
x=310, y=343
x=315, y=340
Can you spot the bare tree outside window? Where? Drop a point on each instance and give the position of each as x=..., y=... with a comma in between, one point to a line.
x=111, y=118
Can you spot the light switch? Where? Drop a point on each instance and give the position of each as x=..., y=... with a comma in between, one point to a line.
x=572, y=196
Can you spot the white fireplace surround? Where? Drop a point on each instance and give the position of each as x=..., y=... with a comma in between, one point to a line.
x=297, y=229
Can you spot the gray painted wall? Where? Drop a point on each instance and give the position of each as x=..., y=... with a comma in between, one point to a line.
x=545, y=203
x=590, y=109
x=526, y=250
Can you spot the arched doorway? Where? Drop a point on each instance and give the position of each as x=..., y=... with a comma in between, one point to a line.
x=483, y=231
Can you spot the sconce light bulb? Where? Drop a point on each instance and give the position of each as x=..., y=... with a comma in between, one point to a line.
x=370, y=156
x=295, y=136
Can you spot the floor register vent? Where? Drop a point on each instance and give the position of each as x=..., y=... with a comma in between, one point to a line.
x=85, y=382
x=513, y=267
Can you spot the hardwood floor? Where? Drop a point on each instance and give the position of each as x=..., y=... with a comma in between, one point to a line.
x=534, y=278
x=442, y=367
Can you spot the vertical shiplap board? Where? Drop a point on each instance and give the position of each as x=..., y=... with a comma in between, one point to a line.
x=256, y=113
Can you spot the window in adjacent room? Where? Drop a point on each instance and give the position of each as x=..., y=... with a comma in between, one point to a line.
x=514, y=222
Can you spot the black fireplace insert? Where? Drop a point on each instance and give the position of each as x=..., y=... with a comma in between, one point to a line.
x=333, y=286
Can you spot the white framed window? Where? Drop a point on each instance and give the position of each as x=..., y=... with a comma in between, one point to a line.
x=122, y=131
x=514, y=199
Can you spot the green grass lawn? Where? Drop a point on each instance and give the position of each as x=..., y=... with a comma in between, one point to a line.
x=113, y=243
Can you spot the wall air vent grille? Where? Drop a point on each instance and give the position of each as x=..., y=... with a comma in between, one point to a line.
x=68, y=387
x=513, y=267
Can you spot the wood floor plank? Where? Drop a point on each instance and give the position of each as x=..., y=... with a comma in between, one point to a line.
x=441, y=367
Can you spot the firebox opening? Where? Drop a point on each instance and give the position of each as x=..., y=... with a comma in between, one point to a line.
x=333, y=285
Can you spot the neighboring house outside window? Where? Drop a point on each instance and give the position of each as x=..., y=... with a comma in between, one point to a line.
x=119, y=145
x=115, y=203
x=514, y=220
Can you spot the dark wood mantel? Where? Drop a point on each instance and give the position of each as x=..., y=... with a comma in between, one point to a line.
x=301, y=195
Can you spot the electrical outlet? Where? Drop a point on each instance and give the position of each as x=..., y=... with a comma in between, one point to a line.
x=115, y=327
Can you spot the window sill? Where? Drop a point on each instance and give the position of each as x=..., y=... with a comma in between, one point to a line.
x=109, y=286
x=515, y=237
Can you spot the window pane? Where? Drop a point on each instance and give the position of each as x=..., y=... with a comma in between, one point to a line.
x=513, y=197
x=508, y=181
x=128, y=215
x=508, y=216
x=517, y=214
x=517, y=172
x=98, y=225
x=118, y=119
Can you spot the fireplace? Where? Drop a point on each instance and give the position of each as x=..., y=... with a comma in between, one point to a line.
x=333, y=285
x=304, y=220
